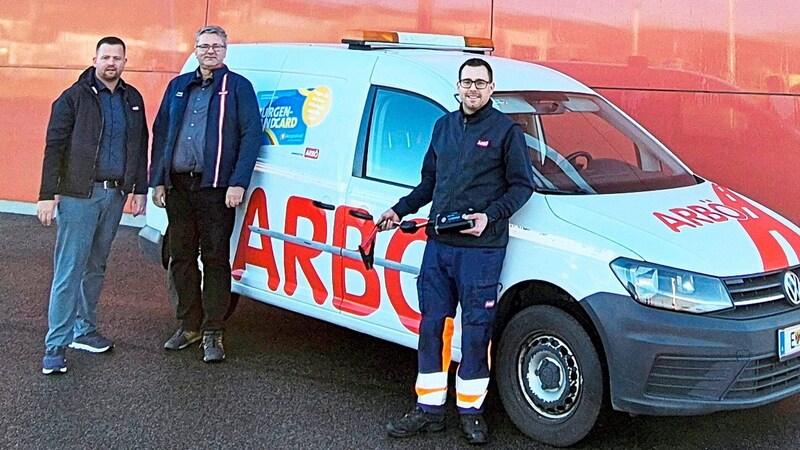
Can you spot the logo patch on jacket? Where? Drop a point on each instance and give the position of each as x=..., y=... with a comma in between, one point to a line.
x=483, y=143
x=489, y=304
x=179, y=94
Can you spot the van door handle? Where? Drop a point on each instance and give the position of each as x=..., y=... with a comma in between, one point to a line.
x=321, y=205
x=360, y=215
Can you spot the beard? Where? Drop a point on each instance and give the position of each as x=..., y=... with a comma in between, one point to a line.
x=109, y=75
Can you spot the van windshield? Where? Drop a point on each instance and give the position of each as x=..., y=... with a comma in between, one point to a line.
x=581, y=144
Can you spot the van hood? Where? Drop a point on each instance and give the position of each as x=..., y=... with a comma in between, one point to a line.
x=704, y=228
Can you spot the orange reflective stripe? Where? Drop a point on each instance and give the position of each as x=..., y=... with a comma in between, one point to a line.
x=423, y=391
x=469, y=398
x=489, y=355
x=447, y=343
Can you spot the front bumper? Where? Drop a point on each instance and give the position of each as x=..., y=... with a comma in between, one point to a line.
x=150, y=243
x=667, y=363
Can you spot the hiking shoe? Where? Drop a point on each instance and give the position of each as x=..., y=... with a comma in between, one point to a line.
x=182, y=339
x=474, y=428
x=415, y=421
x=213, y=351
x=93, y=342
x=55, y=360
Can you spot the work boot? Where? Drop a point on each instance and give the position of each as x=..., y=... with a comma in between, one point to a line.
x=213, y=351
x=415, y=421
x=182, y=339
x=475, y=429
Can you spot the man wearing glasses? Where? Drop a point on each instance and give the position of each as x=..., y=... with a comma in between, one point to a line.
x=206, y=138
x=477, y=161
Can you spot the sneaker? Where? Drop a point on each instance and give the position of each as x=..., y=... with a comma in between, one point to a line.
x=415, y=421
x=474, y=428
x=182, y=339
x=93, y=342
x=213, y=351
x=55, y=360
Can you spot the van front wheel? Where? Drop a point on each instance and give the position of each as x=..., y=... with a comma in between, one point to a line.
x=549, y=376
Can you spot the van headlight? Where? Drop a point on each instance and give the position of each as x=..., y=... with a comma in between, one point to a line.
x=668, y=288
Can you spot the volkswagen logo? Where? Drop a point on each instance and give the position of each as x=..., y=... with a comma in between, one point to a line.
x=791, y=286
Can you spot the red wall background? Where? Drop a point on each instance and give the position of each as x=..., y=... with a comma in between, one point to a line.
x=718, y=81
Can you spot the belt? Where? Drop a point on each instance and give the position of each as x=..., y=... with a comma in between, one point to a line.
x=110, y=184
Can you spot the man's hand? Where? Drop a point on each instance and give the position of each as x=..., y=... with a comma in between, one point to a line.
x=46, y=211
x=138, y=204
x=159, y=196
x=234, y=196
x=388, y=220
x=481, y=220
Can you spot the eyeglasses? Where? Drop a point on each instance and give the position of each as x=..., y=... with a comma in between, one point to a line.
x=466, y=83
x=205, y=47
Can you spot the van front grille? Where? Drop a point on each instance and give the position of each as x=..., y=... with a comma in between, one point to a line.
x=757, y=295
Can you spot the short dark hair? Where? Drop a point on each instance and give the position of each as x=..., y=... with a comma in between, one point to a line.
x=110, y=40
x=476, y=62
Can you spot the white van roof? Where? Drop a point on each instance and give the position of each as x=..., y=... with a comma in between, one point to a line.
x=509, y=75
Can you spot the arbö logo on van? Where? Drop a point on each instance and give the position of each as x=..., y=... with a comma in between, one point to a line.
x=791, y=287
x=774, y=240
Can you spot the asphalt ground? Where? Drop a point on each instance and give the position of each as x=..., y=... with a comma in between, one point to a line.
x=288, y=381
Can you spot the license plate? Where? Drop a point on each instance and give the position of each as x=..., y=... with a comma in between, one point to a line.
x=788, y=342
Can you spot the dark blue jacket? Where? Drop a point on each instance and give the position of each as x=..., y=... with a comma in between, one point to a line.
x=228, y=161
x=477, y=161
x=73, y=141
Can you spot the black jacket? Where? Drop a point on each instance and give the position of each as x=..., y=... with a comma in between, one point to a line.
x=477, y=161
x=73, y=140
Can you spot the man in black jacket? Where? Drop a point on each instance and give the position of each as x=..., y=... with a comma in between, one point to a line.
x=477, y=165
x=95, y=155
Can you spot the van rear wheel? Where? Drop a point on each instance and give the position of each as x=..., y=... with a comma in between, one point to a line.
x=549, y=376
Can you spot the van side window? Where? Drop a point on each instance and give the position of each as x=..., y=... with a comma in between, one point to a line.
x=399, y=134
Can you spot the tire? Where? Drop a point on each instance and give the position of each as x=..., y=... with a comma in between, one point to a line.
x=549, y=376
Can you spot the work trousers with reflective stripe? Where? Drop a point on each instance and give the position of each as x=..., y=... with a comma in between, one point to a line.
x=450, y=276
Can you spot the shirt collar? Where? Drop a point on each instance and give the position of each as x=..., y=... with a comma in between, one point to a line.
x=198, y=78
x=102, y=86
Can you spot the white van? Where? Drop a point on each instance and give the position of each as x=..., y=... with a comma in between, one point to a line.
x=629, y=280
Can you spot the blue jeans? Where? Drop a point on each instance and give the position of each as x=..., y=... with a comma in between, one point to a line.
x=85, y=228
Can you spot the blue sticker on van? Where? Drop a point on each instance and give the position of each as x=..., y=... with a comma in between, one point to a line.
x=286, y=115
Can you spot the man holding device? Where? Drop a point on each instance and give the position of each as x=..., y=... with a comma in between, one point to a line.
x=477, y=174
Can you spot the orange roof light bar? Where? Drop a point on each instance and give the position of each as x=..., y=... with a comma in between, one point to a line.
x=368, y=40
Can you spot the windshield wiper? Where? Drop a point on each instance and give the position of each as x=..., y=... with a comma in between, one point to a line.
x=577, y=191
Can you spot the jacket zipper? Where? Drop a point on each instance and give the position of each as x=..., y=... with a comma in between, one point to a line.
x=458, y=160
x=99, y=139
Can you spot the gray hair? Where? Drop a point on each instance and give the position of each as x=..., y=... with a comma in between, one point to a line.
x=212, y=29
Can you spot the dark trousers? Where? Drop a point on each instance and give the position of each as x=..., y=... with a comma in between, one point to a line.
x=200, y=224
x=450, y=276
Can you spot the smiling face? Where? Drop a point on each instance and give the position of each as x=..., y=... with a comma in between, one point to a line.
x=472, y=98
x=109, y=62
x=210, y=50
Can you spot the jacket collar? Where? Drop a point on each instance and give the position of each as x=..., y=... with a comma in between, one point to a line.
x=216, y=75
x=88, y=79
x=478, y=115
